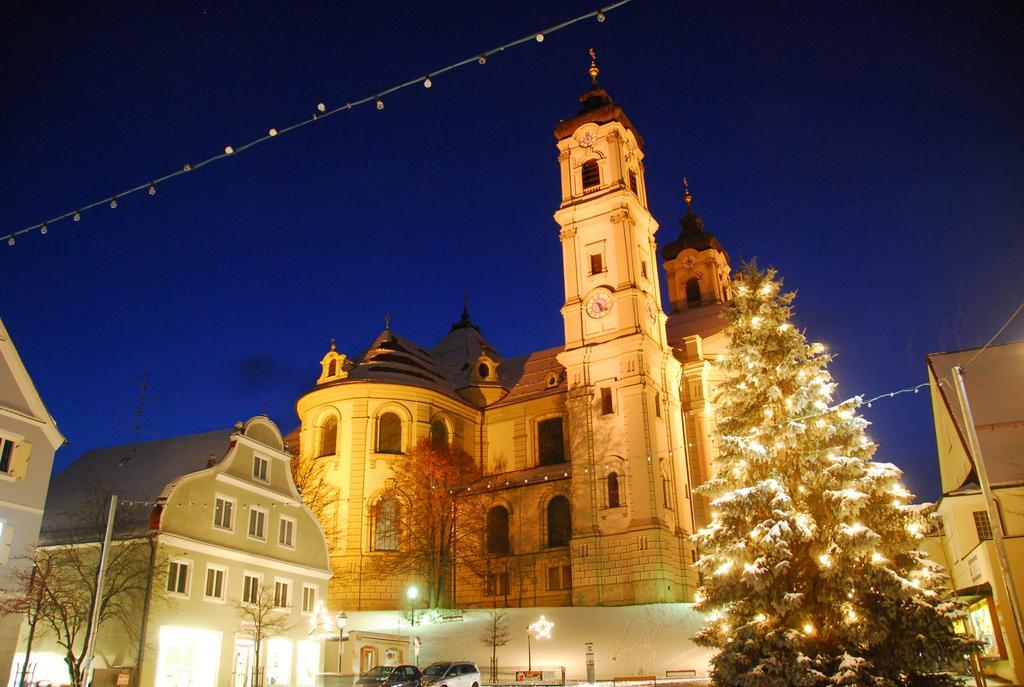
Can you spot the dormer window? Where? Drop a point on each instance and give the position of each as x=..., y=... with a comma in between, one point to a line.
x=484, y=370
x=591, y=174
x=332, y=368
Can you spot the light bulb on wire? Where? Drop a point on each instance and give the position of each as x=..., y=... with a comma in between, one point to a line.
x=482, y=59
x=540, y=37
x=601, y=17
x=113, y=203
x=43, y=229
x=380, y=104
x=152, y=189
x=427, y=83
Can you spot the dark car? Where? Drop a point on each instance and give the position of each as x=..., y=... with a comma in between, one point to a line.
x=390, y=676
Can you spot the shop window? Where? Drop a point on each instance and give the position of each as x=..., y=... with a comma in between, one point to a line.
x=497, y=530
x=559, y=522
x=550, y=444
x=389, y=433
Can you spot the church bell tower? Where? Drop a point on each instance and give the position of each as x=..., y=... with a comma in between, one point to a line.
x=629, y=481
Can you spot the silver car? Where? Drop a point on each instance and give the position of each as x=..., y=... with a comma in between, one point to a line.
x=451, y=674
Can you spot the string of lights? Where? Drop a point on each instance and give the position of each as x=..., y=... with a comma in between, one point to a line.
x=996, y=335
x=322, y=111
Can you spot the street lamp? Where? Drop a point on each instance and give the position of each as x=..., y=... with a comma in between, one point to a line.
x=541, y=629
x=412, y=593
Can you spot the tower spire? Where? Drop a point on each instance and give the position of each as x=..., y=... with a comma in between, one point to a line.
x=687, y=196
x=593, y=71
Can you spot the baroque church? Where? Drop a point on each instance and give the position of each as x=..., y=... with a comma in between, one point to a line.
x=589, y=450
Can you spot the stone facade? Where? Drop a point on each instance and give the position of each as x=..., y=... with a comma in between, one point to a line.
x=617, y=421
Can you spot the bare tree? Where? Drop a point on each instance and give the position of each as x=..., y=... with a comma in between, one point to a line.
x=433, y=518
x=24, y=595
x=318, y=492
x=262, y=619
x=495, y=634
x=64, y=592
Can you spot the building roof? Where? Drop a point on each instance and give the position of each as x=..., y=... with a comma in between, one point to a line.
x=394, y=358
x=457, y=351
x=76, y=506
x=531, y=376
x=692, y=235
x=993, y=380
x=20, y=396
x=599, y=108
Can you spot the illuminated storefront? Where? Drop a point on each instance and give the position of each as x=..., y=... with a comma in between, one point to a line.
x=188, y=657
x=980, y=614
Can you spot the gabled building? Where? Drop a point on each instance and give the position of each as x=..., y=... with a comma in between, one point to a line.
x=589, y=449
x=994, y=380
x=218, y=523
x=28, y=440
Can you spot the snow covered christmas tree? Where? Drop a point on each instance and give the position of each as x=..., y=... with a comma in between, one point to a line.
x=811, y=573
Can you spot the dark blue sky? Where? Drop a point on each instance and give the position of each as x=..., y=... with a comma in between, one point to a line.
x=873, y=154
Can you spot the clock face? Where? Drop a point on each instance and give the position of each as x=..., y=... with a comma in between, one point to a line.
x=689, y=261
x=586, y=140
x=599, y=305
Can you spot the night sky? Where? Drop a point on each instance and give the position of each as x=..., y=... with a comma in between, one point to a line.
x=873, y=153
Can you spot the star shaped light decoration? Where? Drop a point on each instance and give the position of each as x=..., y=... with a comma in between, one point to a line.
x=542, y=628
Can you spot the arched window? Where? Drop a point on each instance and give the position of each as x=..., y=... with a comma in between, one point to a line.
x=332, y=368
x=613, y=490
x=483, y=370
x=693, y=291
x=438, y=434
x=385, y=524
x=591, y=174
x=389, y=433
x=328, y=437
x=497, y=530
x=559, y=522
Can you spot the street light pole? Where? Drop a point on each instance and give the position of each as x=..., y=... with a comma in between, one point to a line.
x=412, y=593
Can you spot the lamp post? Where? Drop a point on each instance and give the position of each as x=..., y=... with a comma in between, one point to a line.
x=412, y=593
x=541, y=629
x=341, y=620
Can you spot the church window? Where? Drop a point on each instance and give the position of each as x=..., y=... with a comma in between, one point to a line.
x=643, y=269
x=483, y=370
x=389, y=433
x=550, y=445
x=385, y=518
x=613, y=490
x=591, y=174
x=328, y=436
x=657, y=405
x=666, y=491
x=559, y=522
x=606, y=401
x=438, y=434
x=596, y=263
x=693, y=291
x=632, y=183
x=497, y=530
x=559, y=577
x=497, y=584
x=332, y=368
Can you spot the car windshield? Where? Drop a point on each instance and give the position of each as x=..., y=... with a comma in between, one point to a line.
x=379, y=671
x=436, y=669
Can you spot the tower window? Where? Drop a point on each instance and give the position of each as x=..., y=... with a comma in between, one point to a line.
x=606, y=401
x=657, y=405
x=484, y=370
x=332, y=368
x=632, y=183
x=596, y=263
x=591, y=174
x=643, y=269
x=550, y=445
x=389, y=433
x=385, y=524
x=328, y=437
x=613, y=490
x=559, y=522
x=693, y=291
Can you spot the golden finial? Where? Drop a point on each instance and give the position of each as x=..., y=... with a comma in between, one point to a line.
x=593, y=71
x=387, y=322
x=333, y=346
x=687, y=196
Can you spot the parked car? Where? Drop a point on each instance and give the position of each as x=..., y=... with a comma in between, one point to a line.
x=390, y=676
x=451, y=674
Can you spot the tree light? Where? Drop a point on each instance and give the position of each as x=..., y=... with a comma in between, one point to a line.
x=825, y=561
x=808, y=629
x=724, y=568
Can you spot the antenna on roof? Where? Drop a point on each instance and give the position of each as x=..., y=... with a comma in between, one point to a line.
x=139, y=412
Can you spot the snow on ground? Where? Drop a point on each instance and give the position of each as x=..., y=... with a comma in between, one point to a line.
x=628, y=640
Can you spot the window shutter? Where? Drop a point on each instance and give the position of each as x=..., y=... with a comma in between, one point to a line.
x=19, y=459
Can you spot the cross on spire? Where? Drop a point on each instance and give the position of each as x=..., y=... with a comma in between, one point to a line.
x=593, y=71
x=687, y=196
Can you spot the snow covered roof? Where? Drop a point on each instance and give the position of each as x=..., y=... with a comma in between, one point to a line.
x=76, y=506
x=532, y=375
x=394, y=358
x=993, y=380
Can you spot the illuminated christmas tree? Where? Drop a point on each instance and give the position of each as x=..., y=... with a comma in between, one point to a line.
x=811, y=573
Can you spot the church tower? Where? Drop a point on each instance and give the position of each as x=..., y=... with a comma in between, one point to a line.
x=630, y=493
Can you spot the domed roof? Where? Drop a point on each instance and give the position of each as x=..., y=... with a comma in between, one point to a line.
x=693, y=234
x=393, y=358
x=460, y=349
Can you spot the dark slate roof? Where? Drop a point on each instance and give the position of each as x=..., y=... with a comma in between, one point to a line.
x=76, y=505
x=394, y=358
x=692, y=235
x=527, y=376
x=457, y=351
